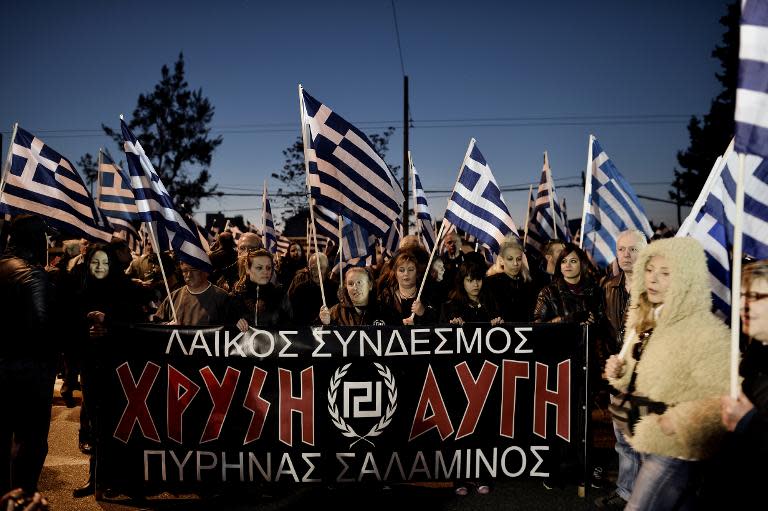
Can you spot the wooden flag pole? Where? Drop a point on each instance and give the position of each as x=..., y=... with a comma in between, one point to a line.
x=341, y=250
x=156, y=245
x=305, y=143
x=587, y=189
x=736, y=283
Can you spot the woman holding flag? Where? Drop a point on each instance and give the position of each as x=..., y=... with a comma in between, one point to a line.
x=398, y=290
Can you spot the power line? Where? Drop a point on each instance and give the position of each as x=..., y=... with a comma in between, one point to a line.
x=397, y=33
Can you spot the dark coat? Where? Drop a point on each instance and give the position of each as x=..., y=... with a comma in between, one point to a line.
x=470, y=312
x=514, y=297
x=262, y=306
x=558, y=303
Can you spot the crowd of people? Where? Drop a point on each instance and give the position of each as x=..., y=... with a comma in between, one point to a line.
x=662, y=355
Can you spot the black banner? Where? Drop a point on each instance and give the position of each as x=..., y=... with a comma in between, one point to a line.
x=181, y=409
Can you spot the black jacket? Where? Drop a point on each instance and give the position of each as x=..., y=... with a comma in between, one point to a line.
x=558, y=303
x=615, y=302
x=26, y=309
x=514, y=297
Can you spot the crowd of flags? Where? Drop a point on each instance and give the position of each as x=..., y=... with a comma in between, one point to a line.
x=356, y=201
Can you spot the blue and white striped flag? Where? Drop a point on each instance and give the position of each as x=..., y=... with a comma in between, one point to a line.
x=41, y=181
x=115, y=199
x=540, y=226
x=155, y=205
x=424, y=223
x=610, y=207
x=355, y=242
x=476, y=205
x=268, y=234
x=283, y=244
x=751, y=114
x=712, y=218
x=391, y=242
x=346, y=175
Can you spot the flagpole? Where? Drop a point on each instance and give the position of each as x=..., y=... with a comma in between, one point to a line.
x=736, y=284
x=264, y=216
x=8, y=158
x=442, y=224
x=527, y=216
x=305, y=143
x=551, y=194
x=587, y=189
x=415, y=198
x=98, y=179
x=341, y=251
x=156, y=245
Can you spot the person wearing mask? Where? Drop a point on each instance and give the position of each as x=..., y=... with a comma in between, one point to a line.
x=106, y=297
x=27, y=355
x=260, y=302
x=512, y=287
x=305, y=294
x=357, y=302
x=292, y=262
x=672, y=372
x=615, y=292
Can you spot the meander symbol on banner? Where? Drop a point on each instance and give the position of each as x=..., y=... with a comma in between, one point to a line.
x=362, y=400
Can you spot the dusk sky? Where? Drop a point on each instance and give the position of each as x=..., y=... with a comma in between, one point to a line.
x=520, y=77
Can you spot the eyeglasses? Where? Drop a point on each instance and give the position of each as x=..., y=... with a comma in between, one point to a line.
x=753, y=296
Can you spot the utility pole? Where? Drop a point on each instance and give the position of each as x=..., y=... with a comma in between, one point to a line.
x=406, y=165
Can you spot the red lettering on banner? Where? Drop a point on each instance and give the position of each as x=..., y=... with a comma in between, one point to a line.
x=476, y=391
x=181, y=391
x=560, y=398
x=304, y=405
x=511, y=370
x=431, y=398
x=258, y=406
x=136, y=409
x=221, y=396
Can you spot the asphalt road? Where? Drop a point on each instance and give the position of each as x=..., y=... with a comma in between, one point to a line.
x=66, y=468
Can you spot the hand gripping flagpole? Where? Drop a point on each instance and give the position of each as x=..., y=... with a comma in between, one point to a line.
x=442, y=227
x=305, y=142
x=736, y=284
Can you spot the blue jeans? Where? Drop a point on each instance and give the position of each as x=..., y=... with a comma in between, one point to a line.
x=629, y=465
x=665, y=483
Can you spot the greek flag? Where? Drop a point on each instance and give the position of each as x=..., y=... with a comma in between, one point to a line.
x=610, y=207
x=476, y=205
x=41, y=181
x=391, y=242
x=155, y=205
x=355, y=240
x=268, y=234
x=713, y=215
x=424, y=224
x=115, y=199
x=345, y=174
x=540, y=227
x=283, y=244
x=752, y=93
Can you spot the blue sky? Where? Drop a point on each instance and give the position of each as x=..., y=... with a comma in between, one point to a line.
x=629, y=72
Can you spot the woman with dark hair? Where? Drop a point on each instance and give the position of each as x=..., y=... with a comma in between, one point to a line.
x=469, y=301
x=512, y=287
x=106, y=297
x=261, y=303
x=357, y=302
x=573, y=296
x=290, y=263
x=398, y=287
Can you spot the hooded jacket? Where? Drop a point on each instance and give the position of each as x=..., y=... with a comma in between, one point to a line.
x=685, y=362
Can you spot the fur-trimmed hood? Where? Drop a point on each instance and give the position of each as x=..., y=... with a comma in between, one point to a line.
x=689, y=287
x=685, y=363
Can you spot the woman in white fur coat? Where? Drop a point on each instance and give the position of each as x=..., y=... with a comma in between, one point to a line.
x=678, y=352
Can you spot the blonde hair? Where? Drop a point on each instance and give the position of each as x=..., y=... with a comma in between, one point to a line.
x=513, y=243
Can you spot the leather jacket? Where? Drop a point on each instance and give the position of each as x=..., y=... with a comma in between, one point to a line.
x=615, y=302
x=25, y=309
x=558, y=303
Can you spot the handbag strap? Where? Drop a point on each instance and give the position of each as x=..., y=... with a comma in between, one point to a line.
x=639, y=348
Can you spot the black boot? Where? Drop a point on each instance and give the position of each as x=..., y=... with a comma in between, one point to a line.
x=84, y=491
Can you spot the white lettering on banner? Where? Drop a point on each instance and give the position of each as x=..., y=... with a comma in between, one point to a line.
x=220, y=466
x=369, y=342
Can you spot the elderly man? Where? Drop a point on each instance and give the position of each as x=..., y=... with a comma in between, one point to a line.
x=198, y=303
x=615, y=302
x=27, y=355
